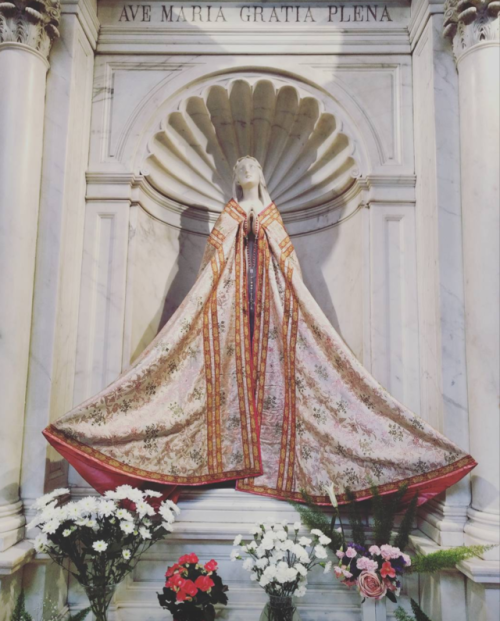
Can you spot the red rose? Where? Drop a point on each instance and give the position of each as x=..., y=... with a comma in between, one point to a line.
x=204, y=583
x=370, y=585
x=176, y=581
x=387, y=570
x=190, y=588
x=172, y=570
x=188, y=558
x=211, y=565
x=181, y=596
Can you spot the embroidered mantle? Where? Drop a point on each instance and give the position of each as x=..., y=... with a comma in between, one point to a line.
x=288, y=410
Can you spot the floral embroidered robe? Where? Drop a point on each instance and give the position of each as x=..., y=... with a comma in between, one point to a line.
x=292, y=410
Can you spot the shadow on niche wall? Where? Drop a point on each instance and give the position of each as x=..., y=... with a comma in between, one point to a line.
x=185, y=276
x=176, y=276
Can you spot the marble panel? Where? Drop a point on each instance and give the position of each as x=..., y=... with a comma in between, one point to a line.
x=394, y=315
x=102, y=305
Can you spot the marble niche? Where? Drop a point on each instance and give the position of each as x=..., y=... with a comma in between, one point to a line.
x=334, y=137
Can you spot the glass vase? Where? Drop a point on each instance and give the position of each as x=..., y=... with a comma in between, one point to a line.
x=280, y=608
x=100, y=597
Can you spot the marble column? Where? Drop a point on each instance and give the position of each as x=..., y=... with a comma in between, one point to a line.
x=27, y=30
x=474, y=30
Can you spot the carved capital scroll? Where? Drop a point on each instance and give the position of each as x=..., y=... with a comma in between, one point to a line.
x=32, y=22
x=468, y=22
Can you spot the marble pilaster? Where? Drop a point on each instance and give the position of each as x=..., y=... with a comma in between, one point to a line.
x=440, y=264
x=474, y=30
x=26, y=36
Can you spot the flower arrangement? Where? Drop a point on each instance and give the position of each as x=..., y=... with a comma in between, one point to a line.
x=103, y=539
x=376, y=568
x=376, y=572
x=192, y=590
x=279, y=561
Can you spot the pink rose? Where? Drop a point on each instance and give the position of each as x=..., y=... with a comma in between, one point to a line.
x=370, y=585
x=351, y=553
x=338, y=572
x=374, y=551
x=340, y=554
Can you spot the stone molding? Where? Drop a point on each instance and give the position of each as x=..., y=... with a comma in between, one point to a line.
x=469, y=22
x=31, y=22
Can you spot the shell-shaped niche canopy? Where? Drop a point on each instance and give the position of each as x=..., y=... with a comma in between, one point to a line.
x=307, y=160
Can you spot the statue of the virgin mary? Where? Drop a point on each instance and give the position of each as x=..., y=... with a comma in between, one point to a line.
x=249, y=381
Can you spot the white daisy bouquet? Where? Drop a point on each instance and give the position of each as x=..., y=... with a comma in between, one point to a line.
x=103, y=537
x=279, y=560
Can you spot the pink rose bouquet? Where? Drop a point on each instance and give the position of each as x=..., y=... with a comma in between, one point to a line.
x=375, y=571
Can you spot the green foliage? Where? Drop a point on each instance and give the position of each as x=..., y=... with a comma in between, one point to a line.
x=80, y=616
x=20, y=613
x=384, y=513
x=444, y=559
x=355, y=519
x=312, y=517
x=403, y=536
x=402, y=615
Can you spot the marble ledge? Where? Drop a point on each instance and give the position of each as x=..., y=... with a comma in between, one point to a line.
x=481, y=572
x=14, y=558
x=137, y=40
x=476, y=569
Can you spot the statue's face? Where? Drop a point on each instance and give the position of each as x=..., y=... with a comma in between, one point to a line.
x=247, y=173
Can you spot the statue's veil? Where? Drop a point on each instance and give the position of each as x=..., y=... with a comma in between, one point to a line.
x=263, y=192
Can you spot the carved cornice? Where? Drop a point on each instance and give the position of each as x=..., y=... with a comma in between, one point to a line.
x=31, y=22
x=469, y=22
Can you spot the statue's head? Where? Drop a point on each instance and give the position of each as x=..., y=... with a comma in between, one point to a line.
x=248, y=173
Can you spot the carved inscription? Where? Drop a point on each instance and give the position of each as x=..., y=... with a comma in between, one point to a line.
x=217, y=14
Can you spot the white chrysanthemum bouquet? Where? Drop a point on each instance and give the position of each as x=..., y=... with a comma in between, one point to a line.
x=103, y=537
x=279, y=560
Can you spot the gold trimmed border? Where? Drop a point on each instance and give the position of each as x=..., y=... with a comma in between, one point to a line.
x=209, y=385
x=465, y=463
x=239, y=357
x=114, y=464
x=293, y=396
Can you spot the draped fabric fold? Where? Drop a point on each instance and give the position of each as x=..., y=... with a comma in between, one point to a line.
x=287, y=409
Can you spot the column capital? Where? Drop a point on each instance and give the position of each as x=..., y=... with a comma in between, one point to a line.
x=469, y=22
x=32, y=22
